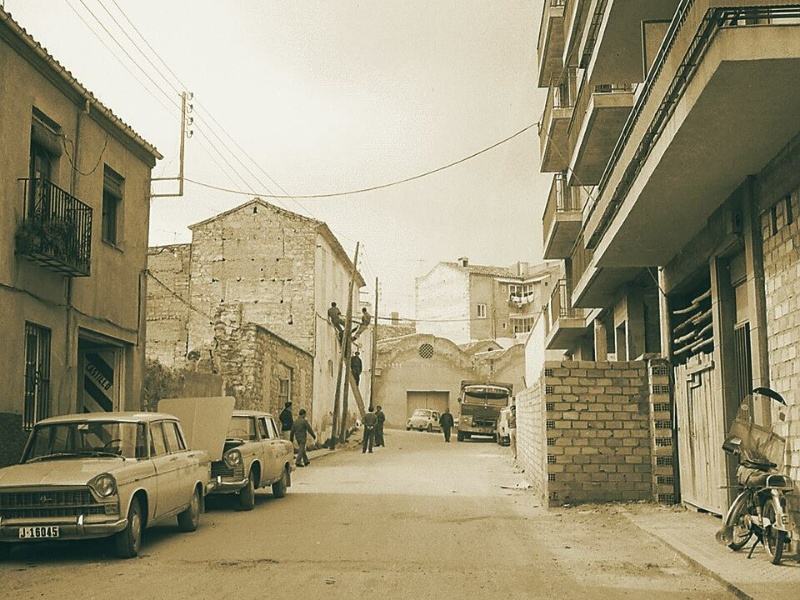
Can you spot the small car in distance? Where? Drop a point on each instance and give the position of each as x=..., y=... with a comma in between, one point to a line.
x=424, y=419
x=102, y=475
x=255, y=456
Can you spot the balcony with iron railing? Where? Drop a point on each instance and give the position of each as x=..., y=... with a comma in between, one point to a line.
x=689, y=142
x=565, y=324
x=551, y=41
x=553, y=130
x=598, y=119
x=56, y=231
x=561, y=222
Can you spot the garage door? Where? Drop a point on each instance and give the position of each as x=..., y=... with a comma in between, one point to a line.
x=433, y=400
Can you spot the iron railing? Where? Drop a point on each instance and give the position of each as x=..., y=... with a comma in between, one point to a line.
x=56, y=230
x=559, y=200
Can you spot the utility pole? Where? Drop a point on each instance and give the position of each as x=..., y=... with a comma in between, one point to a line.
x=374, y=356
x=345, y=353
x=185, y=120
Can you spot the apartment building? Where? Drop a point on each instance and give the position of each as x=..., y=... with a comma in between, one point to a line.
x=671, y=129
x=258, y=264
x=464, y=302
x=74, y=214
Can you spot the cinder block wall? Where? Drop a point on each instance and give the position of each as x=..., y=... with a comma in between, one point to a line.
x=596, y=438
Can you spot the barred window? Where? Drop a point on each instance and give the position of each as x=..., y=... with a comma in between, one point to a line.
x=37, y=375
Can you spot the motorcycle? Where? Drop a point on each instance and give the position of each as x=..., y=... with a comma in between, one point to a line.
x=760, y=510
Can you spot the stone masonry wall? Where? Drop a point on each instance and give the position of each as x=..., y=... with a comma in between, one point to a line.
x=167, y=303
x=597, y=428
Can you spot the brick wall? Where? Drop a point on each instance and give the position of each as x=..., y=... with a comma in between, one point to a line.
x=596, y=438
x=780, y=229
x=12, y=438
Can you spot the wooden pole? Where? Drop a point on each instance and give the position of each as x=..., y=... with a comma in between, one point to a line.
x=344, y=346
x=374, y=354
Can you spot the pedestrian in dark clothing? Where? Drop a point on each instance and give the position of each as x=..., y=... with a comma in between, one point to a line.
x=446, y=422
x=370, y=420
x=381, y=417
x=356, y=366
x=335, y=317
x=300, y=431
x=287, y=420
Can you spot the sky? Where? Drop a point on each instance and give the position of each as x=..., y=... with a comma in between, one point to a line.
x=308, y=98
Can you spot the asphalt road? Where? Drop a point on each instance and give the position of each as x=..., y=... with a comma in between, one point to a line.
x=418, y=519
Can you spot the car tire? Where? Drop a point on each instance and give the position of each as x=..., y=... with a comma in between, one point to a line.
x=5, y=550
x=189, y=519
x=129, y=541
x=460, y=436
x=279, y=487
x=430, y=428
x=246, y=498
x=408, y=428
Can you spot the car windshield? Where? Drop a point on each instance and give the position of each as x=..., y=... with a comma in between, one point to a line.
x=486, y=395
x=242, y=428
x=421, y=412
x=87, y=438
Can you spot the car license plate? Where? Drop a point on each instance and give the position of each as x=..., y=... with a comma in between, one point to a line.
x=44, y=531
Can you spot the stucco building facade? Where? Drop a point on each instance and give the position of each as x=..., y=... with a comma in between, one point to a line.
x=74, y=208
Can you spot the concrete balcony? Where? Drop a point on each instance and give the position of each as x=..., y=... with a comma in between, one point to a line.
x=553, y=130
x=561, y=222
x=722, y=98
x=611, y=47
x=607, y=111
x=551, y=42
x=564, y=324
x=594, y=287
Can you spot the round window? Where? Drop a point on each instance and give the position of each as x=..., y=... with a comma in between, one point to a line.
x=426, y=351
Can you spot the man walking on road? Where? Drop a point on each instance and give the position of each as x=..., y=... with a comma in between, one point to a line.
x=446, y=422
x=381, y=417
x=370, y=420
x=300, y=431
x=287, y=420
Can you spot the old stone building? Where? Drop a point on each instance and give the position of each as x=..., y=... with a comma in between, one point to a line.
x=273, y=268
x=75, y=189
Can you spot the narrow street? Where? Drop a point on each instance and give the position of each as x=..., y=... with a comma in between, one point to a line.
x=417, y=519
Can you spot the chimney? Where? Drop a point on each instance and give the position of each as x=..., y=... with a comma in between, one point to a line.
x=464, y=261
x=395, y=318
x=522, y=269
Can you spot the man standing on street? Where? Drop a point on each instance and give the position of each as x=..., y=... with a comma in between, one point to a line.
x=370, y=420
x=300, y=430
x=512, y=430
x=446, y=421
x=380, y=417
x=356, y=366
x=286, y=420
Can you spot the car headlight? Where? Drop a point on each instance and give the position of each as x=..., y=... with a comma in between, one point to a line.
x=233, y=458
x=466, y=420
x=104, y=485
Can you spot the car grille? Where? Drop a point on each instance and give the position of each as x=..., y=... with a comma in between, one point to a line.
x=45, y=503
x=484, y=422
x=220, y=469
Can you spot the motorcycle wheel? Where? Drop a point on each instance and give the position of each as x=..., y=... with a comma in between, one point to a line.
x=774, y=539
x=741, y=524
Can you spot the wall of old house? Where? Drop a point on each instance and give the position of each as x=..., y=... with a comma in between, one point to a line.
x=443, y=304
x=167, y=304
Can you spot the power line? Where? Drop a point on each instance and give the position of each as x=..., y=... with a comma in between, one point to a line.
x=374, y=187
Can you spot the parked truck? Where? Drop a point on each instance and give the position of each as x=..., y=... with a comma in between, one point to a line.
x=481, y=403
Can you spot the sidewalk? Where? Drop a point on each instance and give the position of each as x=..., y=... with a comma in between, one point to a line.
x=691, y=534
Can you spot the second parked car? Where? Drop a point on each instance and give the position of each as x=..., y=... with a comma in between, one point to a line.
x=424, y=419
x=255, y=456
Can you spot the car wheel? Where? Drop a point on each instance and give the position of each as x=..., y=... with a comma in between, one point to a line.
x=129, y=540
x=408, y=428
x=279, y=487
x=5, y=550
x=460, y=437
x=246, y=498
x=189, y=519
x=430, y=428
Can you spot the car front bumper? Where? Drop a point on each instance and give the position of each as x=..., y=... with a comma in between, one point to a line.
x=68, y=529
x=227, y=485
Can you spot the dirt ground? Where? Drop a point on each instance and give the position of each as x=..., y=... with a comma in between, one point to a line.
x=417, y=519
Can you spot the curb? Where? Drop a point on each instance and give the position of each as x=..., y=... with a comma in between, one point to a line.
x=731, y=587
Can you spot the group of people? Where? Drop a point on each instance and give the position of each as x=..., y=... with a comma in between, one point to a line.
x=335, y=317
x=373, y=429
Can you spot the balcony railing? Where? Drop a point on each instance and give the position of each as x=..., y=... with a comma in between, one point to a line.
x=559, y=200
x=581, y=258
x=561, y=302
x=56, y=231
